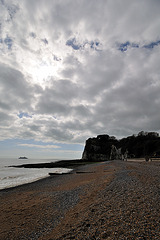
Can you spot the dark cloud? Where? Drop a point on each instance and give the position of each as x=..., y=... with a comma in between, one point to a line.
x=16, y=93
x=57, y=98
x=5, y=118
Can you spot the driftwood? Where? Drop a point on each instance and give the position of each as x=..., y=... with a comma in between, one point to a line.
x=55, y=174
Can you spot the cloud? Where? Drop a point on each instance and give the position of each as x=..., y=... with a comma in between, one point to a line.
x=78, y=46
x=16, y=93
x=78, y=69
x=38, y=146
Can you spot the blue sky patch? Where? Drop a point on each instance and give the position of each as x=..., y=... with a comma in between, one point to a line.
x=76, y=46
x=33, y=35
x=9, y=42
x=72, y=43
x=24, y=114
x=12, y=10
x=123, y=47
x=152, y=44
x=135, y=45
x=55, y=58
x=94, y=45
x=45, y=41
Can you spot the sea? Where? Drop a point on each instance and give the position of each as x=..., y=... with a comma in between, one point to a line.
x=13, y=176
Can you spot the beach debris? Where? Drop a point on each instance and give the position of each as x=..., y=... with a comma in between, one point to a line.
x=58, y=173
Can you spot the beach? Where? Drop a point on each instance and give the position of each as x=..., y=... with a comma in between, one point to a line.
x=107, y=200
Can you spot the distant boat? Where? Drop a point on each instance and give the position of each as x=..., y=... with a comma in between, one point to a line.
x=23, y=158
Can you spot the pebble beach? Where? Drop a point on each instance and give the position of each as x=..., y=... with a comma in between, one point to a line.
x=108, y=200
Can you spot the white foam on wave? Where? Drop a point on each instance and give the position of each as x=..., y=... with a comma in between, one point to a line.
x=11, y=177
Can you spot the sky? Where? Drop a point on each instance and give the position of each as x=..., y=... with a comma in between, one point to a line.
x=74, y=69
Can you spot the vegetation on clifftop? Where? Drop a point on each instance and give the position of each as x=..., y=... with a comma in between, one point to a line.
x=141, y=145
x=144, y=144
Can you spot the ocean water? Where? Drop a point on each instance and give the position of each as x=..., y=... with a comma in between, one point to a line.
x=12, y=176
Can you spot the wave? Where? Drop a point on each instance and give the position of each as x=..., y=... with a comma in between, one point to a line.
x=16, y=177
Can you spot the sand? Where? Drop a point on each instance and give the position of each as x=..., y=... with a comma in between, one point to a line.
x=109, y=200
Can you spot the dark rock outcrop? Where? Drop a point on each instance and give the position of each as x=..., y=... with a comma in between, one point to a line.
x=99, y=148
x=104, y=147
x=60, y=164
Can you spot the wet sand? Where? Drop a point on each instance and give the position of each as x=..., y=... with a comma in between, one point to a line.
x=110, y=200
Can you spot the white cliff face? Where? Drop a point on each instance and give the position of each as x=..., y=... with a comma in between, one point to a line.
x=103, y=148
x=97, y=149
x=116, y=153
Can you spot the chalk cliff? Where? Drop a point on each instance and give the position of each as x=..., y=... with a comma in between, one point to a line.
x=104, y=147
x=99, y=148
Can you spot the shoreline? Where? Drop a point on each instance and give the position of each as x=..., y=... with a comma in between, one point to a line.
x=62, y=164
x=73, y=164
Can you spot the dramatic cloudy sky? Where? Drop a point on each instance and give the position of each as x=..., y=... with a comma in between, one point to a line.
x=73, y=69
